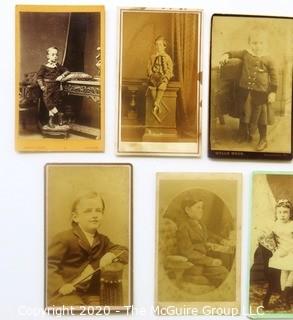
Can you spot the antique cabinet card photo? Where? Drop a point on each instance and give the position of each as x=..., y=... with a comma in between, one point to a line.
x=198, y=243
x=88, y=243
x=59, y=78
x=271, y=245
x=250, y=102
x=159, y=82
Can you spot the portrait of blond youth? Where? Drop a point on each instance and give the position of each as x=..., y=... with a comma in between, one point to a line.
x=198, y=241
x=59, y=78
x=159, y=90
x=251, y=86
x=271, y=254
x=88, y=256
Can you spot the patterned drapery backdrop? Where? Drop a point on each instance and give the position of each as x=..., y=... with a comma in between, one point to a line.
x=185, y=29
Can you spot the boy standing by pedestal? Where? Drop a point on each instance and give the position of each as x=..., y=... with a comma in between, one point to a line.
x=48, y=78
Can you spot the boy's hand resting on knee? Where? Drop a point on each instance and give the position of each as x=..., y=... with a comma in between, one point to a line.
x=216, y=263
x=67, y=288
x=107, y=259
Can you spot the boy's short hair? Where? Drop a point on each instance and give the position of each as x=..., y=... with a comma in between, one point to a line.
x=285, y=203
x=52, y=48
x=189, y=202
x=161, y=38
x=87, y=196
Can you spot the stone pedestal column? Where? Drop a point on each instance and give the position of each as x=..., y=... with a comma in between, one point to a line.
x=161, y=125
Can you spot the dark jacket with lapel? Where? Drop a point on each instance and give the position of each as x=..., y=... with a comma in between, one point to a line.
x=258, y=76
x=70, y=252
x=192, y=237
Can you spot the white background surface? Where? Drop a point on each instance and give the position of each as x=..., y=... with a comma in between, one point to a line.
x=22, y=178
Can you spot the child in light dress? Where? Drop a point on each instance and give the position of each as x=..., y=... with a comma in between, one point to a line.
x=282, y=258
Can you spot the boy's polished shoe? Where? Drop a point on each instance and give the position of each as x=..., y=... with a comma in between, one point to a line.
x=287, y=295
x=60, y=120
x=262, y=145
x=51, y=122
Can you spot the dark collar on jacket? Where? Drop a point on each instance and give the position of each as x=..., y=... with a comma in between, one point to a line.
x=198, y=227
x=83, y=241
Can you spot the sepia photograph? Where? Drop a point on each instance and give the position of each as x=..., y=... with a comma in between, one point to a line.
x=271, y=248
x=198, y=241
x=59, y=78
x=88, y=242
x=250, y=98
x=159, y=82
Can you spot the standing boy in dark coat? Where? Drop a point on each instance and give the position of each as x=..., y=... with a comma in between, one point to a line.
x=48, y=78
x=257, y=87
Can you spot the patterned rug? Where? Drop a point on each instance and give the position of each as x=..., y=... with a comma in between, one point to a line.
x=256, y=295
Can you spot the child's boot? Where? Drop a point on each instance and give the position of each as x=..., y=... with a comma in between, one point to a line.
x=262, y=145
x=60, y=118
x=287, y=293
x=263, y=138
x=51, y=122
x=242, y=132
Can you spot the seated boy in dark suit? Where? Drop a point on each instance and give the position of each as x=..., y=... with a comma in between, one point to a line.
x=192, y=240
x=74, y=255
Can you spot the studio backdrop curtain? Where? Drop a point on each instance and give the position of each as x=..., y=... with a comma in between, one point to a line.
x=82, y=41
x=75, y=42
x=38, y=32
x=185, y=37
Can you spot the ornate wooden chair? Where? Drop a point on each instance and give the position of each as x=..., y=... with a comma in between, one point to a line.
x=224, y=93
x=261, y=271
x=174, y=264
x=29, y=96
x=33, y=115
x=111, y=291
